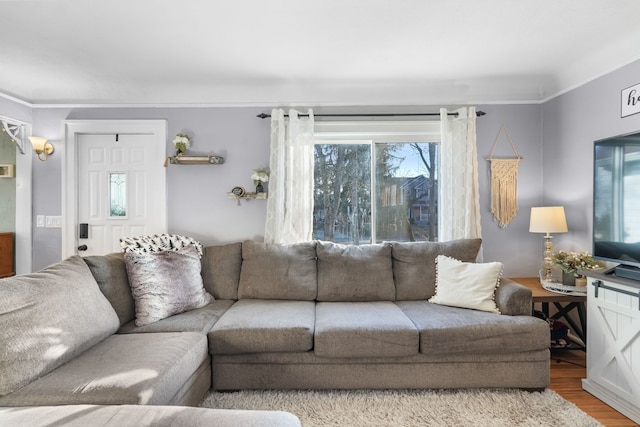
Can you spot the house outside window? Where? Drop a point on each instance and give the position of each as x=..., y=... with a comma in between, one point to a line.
x=376, y=181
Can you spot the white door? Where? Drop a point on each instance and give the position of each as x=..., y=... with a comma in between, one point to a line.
x=120, y=190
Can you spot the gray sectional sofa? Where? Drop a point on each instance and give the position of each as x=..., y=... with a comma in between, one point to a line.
x=313, y=315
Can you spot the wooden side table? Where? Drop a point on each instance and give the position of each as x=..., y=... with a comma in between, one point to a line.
x=564, y=304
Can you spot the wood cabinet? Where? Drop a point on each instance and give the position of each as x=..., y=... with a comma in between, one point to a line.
x=6, y=255
x=613, y=361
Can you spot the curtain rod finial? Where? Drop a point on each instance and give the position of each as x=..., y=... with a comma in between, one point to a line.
x=263, y=115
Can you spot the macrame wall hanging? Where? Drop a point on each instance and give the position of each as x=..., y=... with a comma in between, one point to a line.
x=504, y=183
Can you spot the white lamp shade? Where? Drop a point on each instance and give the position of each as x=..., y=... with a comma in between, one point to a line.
x=38, y=143
x=41, y=146
x=548, y=219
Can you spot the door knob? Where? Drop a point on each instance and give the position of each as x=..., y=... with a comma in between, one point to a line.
x=82, y=248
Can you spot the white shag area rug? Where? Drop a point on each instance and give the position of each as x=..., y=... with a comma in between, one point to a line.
x=455, y=408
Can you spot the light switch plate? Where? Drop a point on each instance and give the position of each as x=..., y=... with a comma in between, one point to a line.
x=53, y=222
x=40, y=221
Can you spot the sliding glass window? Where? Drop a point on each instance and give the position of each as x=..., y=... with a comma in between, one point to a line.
x=376, y=181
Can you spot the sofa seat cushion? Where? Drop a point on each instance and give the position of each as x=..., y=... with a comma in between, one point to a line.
x=199, y=320
x=257, y=326
x=142, y=416
x=278, y=271
x=48, y=318
x=363, y=329
x=451, y=330
x=355, y=273
x=123, y=369
x=414, y=264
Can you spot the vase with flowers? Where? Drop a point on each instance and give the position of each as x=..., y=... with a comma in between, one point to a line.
x=181, y=142
x=260, y=176
x=572, y=262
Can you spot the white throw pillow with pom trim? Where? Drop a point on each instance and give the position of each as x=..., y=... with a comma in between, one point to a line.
x=467, y=284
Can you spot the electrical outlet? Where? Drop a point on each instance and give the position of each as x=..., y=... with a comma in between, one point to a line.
x=40, y=221
x=53, y=222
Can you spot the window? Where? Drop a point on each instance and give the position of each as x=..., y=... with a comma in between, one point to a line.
x=117, y=194
x=342, y=192
x=376, y=181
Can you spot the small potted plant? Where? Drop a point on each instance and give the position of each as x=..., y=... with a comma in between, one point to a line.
x=572, y=262
x=182, y=142
x=259, y=176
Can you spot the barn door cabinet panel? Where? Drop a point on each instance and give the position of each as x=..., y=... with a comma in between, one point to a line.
x=613, y=353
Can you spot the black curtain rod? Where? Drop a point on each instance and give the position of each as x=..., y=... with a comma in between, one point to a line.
x=478, y=114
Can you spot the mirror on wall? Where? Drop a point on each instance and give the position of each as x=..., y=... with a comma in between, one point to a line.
x=7, y=203
x=15, y=194
x=7, y=184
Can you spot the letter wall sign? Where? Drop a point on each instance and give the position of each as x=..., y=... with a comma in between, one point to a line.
x=630, y=100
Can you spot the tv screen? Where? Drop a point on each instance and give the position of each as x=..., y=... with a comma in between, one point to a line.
x=616, y=200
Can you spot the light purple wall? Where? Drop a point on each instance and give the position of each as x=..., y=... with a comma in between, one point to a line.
x=572, y=122
x=197, y=195
x=199, y=207
x=47, y=190
x=555, y=139
x=513, y=245
x=15, y=110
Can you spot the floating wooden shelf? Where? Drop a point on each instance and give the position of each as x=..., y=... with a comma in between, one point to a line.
x=259, y=196
x=196, y=160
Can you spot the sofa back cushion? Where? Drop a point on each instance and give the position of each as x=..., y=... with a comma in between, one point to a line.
x=354, y=273
x=275, y=271
x=48, y=318
x=221, y=270
x=110, y=271
x=414, y=264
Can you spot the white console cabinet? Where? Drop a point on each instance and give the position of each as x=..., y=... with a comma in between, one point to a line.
x=613, y=343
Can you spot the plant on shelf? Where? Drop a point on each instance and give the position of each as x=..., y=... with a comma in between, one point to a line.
x=572, y=262
x=259, y=176
x=182, y=142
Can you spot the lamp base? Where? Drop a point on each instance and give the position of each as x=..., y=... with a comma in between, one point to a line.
x=46, y=150
x=548, y=257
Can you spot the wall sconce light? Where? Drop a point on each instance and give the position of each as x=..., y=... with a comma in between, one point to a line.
x=549, y=219
x=41, y=146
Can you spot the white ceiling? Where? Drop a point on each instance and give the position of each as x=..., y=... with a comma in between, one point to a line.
x=302, y=52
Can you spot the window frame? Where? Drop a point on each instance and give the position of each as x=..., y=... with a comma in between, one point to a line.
x=378, y=132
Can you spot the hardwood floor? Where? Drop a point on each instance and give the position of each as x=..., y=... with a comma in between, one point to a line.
x=568, y=368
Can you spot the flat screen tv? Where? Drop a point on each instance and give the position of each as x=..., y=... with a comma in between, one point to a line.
x=616, y=203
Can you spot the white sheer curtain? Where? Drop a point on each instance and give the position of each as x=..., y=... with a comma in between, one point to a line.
x=459, y=193
x=290, y=202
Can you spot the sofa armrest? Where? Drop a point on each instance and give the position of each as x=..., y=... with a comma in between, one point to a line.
x=513, y=298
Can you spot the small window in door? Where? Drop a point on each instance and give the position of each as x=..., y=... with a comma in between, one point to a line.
x=117, y=195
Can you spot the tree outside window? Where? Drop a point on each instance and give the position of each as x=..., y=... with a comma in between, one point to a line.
x=393, y=197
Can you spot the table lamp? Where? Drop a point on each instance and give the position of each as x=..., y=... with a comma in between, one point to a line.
x=548, y=219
